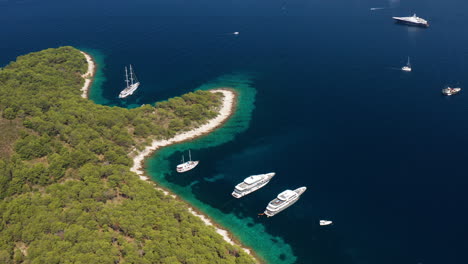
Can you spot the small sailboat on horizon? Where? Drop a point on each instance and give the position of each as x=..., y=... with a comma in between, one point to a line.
x=188, y=165
x=132, y=84
x=407, y=67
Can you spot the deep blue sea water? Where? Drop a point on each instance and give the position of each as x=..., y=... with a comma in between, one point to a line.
x=323, y=104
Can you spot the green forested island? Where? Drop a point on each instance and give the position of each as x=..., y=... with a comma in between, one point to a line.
x=66, y=192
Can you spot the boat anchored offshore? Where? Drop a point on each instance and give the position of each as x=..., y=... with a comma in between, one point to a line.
x=407, y=67
x=132, y=84
x=449, y=91
x=325, y=222
x=283, y=201
x=186, y=166
x=412, y=21
x=251, y=184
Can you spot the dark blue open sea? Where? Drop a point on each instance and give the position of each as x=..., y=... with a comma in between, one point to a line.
x=322, y=103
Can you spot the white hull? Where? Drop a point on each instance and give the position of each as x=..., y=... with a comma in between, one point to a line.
x=186, y=166
x=129, y=90
x=406, y=69
x=273, y=213
x=271, y=210
x=450, y=91
x=412, y=21
x=243, y=193
x=325, y=222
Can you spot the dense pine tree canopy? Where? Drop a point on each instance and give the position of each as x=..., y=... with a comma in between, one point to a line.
x=66, y=192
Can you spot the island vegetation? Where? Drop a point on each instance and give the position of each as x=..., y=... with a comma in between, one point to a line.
x=66, y=192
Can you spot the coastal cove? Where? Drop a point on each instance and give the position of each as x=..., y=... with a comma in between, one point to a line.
x=73, y=170
x=321, y=100
x=152, y=164
x=227, y=109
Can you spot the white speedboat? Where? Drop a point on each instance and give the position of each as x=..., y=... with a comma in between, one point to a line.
x=132, y=84
x=283, y=201
x=407, y=67
x=251, y=184
x=325, y=222
x=450, y=91
x=186, y=166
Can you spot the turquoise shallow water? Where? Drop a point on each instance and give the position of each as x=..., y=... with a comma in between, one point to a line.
x=382, y=152
x=160, y=166
x=161, y=169
x=95, y=92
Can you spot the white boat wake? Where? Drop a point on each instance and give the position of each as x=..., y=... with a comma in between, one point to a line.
x=377, y=8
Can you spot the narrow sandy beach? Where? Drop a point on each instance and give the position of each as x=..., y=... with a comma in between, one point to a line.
x=224, y=113
x=88, y=75
x=226, y=110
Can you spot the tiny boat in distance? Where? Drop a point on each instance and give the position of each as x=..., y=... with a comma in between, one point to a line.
x=449, y=91
x=325, y=222
x=283, y=201
x=407, y=67
x=412, y=21
x=132, y=85
x=236, y=33
x=251, y=184
x=186, y=166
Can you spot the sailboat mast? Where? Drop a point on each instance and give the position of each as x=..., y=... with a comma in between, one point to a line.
x=190, y=156
x=131, y=74
x=126, y=75
x=408, y=61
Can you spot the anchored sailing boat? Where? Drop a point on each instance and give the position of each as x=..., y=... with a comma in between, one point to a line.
x=186, y=166
x=132, y=84
x=407, y=68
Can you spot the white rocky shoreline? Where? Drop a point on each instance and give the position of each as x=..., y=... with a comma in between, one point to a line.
x=226, y=110
x=88, y=75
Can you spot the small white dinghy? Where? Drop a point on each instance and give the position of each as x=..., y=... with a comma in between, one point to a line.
x=325, y=222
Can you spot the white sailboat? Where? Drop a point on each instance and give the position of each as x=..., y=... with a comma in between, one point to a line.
x=407, y=67
x=132, y=84
x=186, y=166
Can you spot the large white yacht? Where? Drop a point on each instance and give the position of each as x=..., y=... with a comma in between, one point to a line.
x=251, y=184
x=132, y=84
x=412, y=20
x=188, y=165
x=283, y=201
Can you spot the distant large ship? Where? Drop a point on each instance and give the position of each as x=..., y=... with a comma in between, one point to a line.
x=412, y=20
x=132, y=84
x=251, y=184
x=283, y=201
